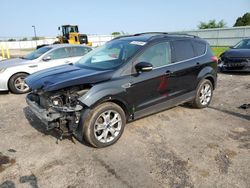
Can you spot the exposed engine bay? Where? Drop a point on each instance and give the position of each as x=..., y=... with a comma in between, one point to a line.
x=60, y=109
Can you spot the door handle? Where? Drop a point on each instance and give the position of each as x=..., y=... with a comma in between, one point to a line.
x=33, y=66
x=198, y=63
x=168, y=73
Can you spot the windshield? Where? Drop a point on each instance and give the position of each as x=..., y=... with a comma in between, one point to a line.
x=244, y=44
x=37, y=53
x=110, y=55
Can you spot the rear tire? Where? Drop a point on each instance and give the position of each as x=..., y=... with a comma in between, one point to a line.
x=204, y=94
x=17, y=84
x=104, y=125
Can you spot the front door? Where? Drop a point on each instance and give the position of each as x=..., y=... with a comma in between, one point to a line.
x=151, y=88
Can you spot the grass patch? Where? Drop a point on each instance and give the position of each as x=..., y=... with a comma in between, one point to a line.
x=219, y=50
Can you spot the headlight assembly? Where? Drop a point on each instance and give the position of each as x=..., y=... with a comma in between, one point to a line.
x=57, y=101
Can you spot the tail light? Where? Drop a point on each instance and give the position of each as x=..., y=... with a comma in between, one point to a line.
x=214, y=59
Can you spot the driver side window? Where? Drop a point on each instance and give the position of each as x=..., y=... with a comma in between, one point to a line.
x=59, y=53
x=158, y=55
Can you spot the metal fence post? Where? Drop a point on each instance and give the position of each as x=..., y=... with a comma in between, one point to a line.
x=2, y=49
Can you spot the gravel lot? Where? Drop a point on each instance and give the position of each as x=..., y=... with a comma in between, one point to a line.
x=180, y=147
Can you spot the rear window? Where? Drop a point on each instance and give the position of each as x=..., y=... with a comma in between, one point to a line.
x=183, y=50
x=199, y=47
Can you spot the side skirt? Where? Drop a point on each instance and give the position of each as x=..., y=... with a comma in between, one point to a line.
x=165, y=105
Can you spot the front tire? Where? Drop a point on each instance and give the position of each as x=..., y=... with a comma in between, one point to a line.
x=204, y=94
x=17, y=84
x=104, y=125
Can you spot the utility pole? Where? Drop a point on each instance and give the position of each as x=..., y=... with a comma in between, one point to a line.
x=34, y=27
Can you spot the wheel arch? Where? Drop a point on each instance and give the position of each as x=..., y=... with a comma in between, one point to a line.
x=211, y=79
x=208, y=73
x=122, y=105
x=115, y=100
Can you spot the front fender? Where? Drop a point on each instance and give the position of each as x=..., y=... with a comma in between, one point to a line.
x=95, y=96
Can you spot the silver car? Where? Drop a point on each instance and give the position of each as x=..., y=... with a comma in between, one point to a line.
x=14, y=71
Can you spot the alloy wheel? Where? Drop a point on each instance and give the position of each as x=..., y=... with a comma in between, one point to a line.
x=20, y=85
x=107, y=126
x=205, y=94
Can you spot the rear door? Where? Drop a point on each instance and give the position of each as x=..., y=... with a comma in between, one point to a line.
x=184, y=68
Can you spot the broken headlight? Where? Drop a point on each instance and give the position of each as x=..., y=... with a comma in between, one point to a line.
x=57, y=101
x=67, y=98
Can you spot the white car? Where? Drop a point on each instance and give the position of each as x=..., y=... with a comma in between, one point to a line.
x=14, y=71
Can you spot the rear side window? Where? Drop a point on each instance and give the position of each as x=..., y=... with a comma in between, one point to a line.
x=60, y=53
x=199, y=47
x=183, y=50
x=79, y=51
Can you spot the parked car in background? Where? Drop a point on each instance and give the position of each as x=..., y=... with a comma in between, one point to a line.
x=123, y=80
x=237, y=58
x=14, y=71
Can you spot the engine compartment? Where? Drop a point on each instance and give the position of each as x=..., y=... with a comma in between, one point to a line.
x=61, y=109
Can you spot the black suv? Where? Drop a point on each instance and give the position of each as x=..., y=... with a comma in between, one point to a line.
x=127, y=78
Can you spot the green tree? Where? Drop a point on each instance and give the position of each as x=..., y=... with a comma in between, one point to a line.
x=116, y=33
x=38, y=38
x=212, y=24
x=243, y=21
x=24, y=39
x=11, y=39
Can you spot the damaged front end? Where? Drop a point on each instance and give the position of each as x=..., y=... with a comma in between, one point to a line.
x=59, y=110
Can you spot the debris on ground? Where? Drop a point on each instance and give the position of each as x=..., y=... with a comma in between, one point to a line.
x=245, y=106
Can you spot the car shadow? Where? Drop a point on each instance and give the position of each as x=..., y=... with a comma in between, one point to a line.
x=236, y=114
x=37, y=124
x=235, y=73
x=4, y=92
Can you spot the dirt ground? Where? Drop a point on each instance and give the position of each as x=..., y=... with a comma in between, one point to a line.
x=180, y=147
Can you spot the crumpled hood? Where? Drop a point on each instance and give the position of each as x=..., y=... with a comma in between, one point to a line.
x=237, y=53
x=65, y=76
x=12, y=62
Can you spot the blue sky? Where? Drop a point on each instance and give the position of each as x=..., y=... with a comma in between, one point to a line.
x=104, y=17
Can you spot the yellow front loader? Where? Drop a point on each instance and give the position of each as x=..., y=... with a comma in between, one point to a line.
x=71, y=35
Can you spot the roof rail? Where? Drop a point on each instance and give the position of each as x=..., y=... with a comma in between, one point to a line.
x=122, y=36
x=163, y=33
x=184, y=34
x=137, y=34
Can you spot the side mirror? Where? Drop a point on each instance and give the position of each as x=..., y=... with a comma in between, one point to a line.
x=59, y=28
x=47, y=58
x=143, y=67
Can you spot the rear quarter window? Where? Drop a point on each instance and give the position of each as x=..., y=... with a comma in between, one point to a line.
x=199, y=47
x=183, y=50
